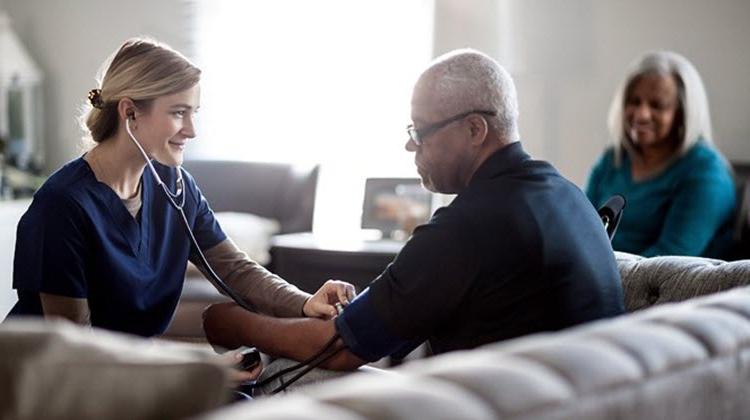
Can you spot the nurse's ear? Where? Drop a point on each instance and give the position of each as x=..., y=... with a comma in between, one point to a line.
x=126, y=109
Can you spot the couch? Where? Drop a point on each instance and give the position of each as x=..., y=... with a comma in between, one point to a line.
x=666, y=359
x=252, y=201
x=741, y=229
x=279, y=191
x=688, y=360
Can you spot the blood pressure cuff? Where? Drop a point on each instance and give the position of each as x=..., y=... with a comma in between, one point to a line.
x=366, y=335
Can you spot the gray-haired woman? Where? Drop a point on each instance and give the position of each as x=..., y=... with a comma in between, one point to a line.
x=678, y=187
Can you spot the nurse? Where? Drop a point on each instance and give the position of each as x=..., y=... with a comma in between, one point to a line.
x=100, y=244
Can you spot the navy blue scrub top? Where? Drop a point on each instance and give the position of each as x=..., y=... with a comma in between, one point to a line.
x=77, y=239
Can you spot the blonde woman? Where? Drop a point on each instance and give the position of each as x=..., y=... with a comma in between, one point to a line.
x=100, y=244
x=679, y=189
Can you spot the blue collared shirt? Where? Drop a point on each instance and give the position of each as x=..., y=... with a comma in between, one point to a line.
x=520, y=250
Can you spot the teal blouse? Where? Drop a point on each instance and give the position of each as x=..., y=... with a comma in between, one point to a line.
x=685, y=210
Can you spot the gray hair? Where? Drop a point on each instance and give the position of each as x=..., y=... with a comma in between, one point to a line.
x=466, y=80
x=696, y=121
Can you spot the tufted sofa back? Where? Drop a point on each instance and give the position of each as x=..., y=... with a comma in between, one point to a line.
x=651, y=281
x=688, y=360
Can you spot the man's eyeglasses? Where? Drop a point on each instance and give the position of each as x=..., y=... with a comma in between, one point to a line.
x=418, y=135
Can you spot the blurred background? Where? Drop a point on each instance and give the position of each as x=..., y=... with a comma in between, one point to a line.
x=329, y=81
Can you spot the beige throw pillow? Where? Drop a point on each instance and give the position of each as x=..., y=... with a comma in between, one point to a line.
x=58, y=370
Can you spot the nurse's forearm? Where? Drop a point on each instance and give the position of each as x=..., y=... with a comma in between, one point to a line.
x=269, y=293
x=227, y=325
x=73, y=309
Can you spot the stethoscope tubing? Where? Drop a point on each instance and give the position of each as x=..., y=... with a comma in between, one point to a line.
x=180, y=195
x=307, y=365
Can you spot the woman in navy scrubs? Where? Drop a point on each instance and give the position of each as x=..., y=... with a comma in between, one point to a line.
x=100, y=244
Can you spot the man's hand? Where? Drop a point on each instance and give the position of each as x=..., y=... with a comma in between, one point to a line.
x=320, y=305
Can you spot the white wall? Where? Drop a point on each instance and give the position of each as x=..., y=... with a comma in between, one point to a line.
x=567, y=57
x=70, y=39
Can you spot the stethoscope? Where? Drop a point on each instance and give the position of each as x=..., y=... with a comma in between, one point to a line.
x=327, y=352
x=173, y=198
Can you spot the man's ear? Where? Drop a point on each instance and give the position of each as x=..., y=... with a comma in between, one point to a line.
x=126, y=109
x=478, y=129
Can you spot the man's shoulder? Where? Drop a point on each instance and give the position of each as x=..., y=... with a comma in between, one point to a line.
x=525, y=178
x=446, y=224
x=517, y=201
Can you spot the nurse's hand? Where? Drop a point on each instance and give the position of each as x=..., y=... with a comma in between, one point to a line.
x=237, y=375
x=321, y=304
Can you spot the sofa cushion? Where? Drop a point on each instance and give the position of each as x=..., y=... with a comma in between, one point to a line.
x=400, y=397
x=651, y=281
x=509, y=384
x=278, y=191
x=58, y=370
x=689, y=360
x=298, y=407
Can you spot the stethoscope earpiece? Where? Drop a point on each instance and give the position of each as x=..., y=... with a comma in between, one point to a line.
x=171, y=196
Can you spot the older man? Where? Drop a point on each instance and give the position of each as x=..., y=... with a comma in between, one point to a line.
x=519, y=250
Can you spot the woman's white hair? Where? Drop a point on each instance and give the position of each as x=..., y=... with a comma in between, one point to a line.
x=696, y=120
x=466, y=80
